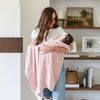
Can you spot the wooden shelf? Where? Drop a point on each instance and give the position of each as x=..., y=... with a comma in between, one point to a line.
x=81, y=58
x=96, y=87
x=81, y=27
x=11, y=44
x=61, y=19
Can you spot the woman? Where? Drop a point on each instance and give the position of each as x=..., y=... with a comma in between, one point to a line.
x=46, y=30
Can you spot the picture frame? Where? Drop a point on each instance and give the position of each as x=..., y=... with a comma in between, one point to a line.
x=90, y=44
x=79, y=16
x=74, y=47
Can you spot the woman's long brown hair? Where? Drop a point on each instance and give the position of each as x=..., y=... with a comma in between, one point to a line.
x=44, y=22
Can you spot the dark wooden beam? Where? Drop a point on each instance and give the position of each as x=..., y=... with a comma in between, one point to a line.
x=11, y=45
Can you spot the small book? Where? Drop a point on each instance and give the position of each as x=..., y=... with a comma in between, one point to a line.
x=72, y=85
x=89, y=77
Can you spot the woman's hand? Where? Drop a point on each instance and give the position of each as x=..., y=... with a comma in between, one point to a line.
x=45, y=48
x=70, y=47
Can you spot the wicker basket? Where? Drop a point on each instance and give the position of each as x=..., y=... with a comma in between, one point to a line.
x=72, y=77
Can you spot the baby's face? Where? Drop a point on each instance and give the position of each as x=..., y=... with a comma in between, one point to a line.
x=66, y=40
x=66, y=36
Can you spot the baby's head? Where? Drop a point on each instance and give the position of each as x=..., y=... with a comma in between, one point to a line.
x=68, y=39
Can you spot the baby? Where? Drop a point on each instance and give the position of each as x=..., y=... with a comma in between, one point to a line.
x=61, y=41
x=68, y=39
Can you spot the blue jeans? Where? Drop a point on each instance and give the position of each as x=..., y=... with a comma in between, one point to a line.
x=59, y=91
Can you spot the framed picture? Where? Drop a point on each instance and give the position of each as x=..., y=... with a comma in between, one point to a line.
x=80, y=16
x=74, y=47
x=90, y=44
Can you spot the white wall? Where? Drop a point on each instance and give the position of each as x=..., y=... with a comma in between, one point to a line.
x=78, y=34
x=9, y=18
x=30, y=14
x=10, y=63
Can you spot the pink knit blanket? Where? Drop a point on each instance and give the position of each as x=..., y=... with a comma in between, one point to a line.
x=43, y=70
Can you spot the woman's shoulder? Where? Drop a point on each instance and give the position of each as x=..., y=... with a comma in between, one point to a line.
x=58, y=28
x=35, y=30
x=35, y=33
x=61, y=31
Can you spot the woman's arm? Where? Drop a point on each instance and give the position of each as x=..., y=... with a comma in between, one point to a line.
x=60, y=49
x=46, y=48
x=33, y=42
